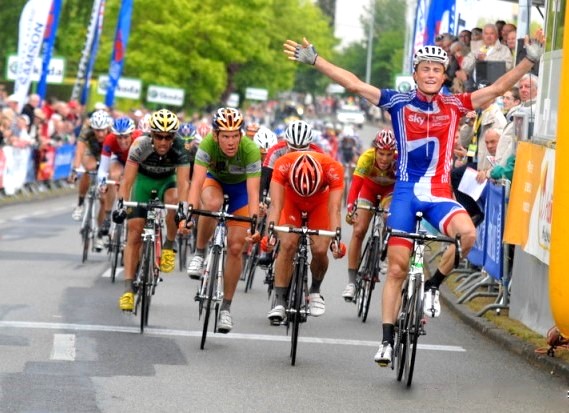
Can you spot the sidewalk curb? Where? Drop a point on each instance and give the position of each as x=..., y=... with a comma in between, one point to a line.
x=554, y=365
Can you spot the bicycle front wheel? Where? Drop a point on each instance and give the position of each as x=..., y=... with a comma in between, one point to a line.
x=86, y=232
x=210, y=288
x=297, y=292
x=413, y=332
x=182, y=251
x=115, y=249
x=145, y=289
x=400, y=349
x=251, y=267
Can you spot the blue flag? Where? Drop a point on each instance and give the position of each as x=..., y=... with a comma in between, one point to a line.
x=440, y=19
x=47, y=48
x=93, y=54
x=119, y=50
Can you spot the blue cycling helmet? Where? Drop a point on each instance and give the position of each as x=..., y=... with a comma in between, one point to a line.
x=123, y=126
x=187, y=131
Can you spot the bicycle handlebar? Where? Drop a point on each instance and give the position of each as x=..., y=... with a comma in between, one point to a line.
x=148, y=205
x=305, y=230
x=222, y=214
x=423, y=237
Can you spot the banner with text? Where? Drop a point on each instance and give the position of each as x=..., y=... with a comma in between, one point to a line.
x=33, y=22
x=47, y=48
x=55, y=71
x=166, y=95
x=126, y=87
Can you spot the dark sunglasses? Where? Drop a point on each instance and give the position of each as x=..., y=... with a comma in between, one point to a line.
x=123, y=136
x=163, y=136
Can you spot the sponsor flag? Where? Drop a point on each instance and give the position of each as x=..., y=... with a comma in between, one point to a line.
x=440, y=19
x=420, y=26
x=33, y=22
x=119, y=50
x=93, y=32
x=95, y=47
x=47, y=48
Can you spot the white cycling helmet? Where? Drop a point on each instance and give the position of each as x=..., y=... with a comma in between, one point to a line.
x=430, y=54
x=265, y=138
x=298, y=134
x=100, y=119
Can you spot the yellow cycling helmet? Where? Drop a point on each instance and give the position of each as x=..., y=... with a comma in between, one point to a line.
x=164, y=121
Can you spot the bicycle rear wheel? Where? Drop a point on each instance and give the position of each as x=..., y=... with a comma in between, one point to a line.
x=115, y=249
x=86, y=231
x=210, y=288
x=373, y=275
x=297, y=292
x=413, y=331
x=362, y=275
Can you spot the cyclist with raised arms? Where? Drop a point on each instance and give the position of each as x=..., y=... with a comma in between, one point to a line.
x=374, y=175
x=88, y=155
x=311, y=182
x=425, y=124
x=113, y=158
x=226, y=163
x=160, y=162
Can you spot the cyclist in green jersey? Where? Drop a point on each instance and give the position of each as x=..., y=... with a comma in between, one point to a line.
x=225, y=164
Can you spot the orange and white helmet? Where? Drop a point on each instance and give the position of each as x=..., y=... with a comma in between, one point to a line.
x=305, y=175
x=227, y=119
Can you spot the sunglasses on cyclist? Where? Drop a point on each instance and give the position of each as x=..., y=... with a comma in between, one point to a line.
x=163, y=136
x=123, y=136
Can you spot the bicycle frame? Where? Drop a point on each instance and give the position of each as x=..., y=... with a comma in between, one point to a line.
x=410, y=322
x=210, y=291
x=148, y=273
x=297, y=307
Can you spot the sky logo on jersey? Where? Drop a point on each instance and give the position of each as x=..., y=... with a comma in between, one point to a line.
x=416, y=118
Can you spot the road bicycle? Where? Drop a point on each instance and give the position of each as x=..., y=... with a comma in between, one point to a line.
x=270, y=272
x=89, y=225
x=298, y=297
x=148, y=271
x=210, y=291
x=252, y=259
x=411, y=320
x=370, y=263
x=117, y=240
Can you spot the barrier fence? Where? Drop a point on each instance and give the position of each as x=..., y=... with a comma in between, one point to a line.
x=21, y=167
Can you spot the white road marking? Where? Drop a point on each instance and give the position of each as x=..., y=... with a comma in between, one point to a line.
x=107, y=273
x=63, y=347
x=186, y=333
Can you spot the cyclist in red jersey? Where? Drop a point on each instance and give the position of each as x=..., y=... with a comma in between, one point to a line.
x=113, y=158
x=374, y=175
x=425, y=124
x=311, y=182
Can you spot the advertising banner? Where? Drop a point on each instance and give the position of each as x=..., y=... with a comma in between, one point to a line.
x=16, y=168
x=62, y=162
x=55, y=71
x=33, y=22
x=166, y=95
x=476, y=255
x=528, y=220
x=126, y=88
x=494, y=223
x=47, y=48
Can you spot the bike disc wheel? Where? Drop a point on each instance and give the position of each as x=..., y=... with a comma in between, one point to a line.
x=413, y=331
x=211, y=280
x=297, y=304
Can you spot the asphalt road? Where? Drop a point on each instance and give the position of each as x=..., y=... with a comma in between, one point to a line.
x=65, y=346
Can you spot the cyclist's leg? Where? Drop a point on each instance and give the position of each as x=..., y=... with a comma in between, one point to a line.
x=135, y=226
x=115, y=173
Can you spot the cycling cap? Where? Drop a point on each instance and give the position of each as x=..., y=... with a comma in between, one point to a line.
x=164, y=121
x=100, y=120
x=227, y=119
x=385, y=141
x=298, y=134
x=430, y=54
x=123, y=126
x=265, y=138
x=187, y=131
x=305, y=175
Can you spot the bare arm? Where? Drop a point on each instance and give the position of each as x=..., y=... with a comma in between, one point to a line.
x=183, y=182
x=341, y=76
x=277, y=201
x=334, y=208
x=198, y=178
x=130, y=172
